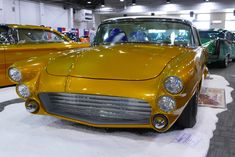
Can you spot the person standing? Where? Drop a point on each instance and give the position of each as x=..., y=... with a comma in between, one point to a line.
x=92, y=34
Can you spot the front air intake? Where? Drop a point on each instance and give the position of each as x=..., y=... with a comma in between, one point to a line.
x=97, y=109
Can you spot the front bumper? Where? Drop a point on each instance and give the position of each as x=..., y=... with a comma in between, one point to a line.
x=69, y=92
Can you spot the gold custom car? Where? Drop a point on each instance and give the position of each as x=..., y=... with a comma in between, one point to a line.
x=142, y=72
x=20, y=42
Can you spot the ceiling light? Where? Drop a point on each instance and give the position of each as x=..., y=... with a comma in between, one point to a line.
x=89, y=2
x=206, y=0
x=121, y=0
x=133, y=2
x=136, y=9
x=106, y=9
x=168, y=1
x=102, y=3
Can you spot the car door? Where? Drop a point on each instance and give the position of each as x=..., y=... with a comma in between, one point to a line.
x=4, y=42
x=2, y=65
x=233, y=47
x=14, y=53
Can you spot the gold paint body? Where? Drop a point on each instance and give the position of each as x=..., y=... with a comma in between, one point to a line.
x=123, y=70
x=12, y=53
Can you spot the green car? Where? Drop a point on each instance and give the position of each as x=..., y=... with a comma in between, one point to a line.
x=220, y=45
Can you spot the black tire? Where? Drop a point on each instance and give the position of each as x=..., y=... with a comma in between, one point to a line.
x=188, y=117
x=225, y=62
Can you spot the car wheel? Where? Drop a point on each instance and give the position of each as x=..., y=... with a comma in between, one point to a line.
x=225, y=62
x=188, y=117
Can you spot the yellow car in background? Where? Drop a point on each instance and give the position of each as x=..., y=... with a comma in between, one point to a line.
x=142, y=72
x=20, y=42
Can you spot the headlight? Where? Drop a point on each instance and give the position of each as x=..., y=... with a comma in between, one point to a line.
x=32, y=106
x=173, y=85
x=23, y=91
x=166, y=103
x=15, y=74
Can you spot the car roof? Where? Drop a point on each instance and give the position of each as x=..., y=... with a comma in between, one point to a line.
x=26, y=26
x=148, y=17
x=34, y=27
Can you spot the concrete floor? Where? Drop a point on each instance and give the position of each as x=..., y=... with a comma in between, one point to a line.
x=223, y=142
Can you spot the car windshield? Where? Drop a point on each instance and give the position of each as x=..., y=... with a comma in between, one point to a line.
x=39, y=36
x=144, y=31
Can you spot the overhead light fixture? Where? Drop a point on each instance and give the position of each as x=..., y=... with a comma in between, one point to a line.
x=106, y=9
x=168, y=1
x=133, y=2
x=88, y=2
x=206, y=0
x=121, y=0
x=102, y=3
x=216, y=21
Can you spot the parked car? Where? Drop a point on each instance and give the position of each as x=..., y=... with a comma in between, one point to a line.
x=19, y=42
x=127, y=80
x=220, y=45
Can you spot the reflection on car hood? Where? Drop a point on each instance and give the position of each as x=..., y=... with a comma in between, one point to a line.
x=122, y=62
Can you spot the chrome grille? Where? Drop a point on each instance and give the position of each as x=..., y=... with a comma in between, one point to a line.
x=97, y=109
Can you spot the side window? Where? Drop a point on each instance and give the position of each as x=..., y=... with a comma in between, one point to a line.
x=3, y=39
x=13, y=38
x=39, y=36
x=196, y=37
x=4, y=36
x=229, y=36
x=52, y=37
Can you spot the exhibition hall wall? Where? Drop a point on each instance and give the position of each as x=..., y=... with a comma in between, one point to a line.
x=207, y=15
x=35, y=13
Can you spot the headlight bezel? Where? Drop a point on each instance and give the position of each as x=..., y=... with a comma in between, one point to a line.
x=15, y=74
x=173, y=90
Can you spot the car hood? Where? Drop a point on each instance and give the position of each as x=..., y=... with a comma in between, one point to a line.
x=121, y=62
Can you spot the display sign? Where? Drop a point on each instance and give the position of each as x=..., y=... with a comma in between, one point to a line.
x=212, y=97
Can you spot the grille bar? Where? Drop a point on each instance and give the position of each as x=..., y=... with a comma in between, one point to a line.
x=103, y=105
x=97, y=109
x=90, y=108
x=98, y=99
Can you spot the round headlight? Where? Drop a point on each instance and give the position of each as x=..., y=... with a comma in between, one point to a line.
x=15, y=74
x=160, y=121
x=23, y=91
x=173, y=85
x=32, y=106
x=166, y=103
